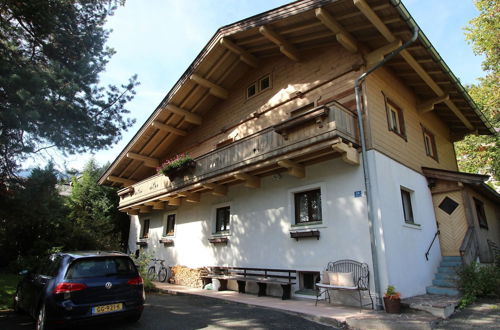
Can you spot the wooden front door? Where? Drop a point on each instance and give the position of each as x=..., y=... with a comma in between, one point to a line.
x=450, y=216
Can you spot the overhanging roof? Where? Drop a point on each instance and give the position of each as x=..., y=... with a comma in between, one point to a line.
x=235, y=48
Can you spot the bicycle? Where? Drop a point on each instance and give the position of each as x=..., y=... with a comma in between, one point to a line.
x=162, y=272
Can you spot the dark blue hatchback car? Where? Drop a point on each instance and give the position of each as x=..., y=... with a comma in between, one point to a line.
x=79, y=287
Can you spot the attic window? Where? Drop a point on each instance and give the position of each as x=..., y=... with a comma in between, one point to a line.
x=395, y=119
x=259, y=86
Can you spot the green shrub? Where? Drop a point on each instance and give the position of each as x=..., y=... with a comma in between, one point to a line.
x=478, y=281
x=143, y=262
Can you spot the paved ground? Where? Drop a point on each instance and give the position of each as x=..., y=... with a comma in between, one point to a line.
x=484, y=314
x=190, y=312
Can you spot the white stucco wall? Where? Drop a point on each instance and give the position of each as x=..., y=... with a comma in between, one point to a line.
x=261, y=220
x=402, y=247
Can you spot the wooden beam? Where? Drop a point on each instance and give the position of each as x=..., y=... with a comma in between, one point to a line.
x=429, y=105
x=145, y=209
x=285, y=47
x=378, y=54
x=244, y=55
x=125, y=182
x=168, y=128
x=158, y=205
x=213, y=89
x=216, y=189
x=374, y=19
x=132, y=212
x=343, y=37
x=174, y=202
x=382, y=28
x=148, y=161
x=251, y=181
x=190, y=197
x=294, y=169
x=188, y=116
x=349, y=153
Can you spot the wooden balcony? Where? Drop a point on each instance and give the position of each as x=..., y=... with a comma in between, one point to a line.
x=323, y=131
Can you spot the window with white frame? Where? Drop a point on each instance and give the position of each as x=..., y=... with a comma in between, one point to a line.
x=169, y=225
x=430, y=144
x=406, y=197
x=259, y=86
x=395, y=118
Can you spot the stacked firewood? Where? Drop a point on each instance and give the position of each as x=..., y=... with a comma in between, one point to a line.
x=188, y=276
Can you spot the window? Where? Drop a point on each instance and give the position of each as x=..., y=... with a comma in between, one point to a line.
x=259, y=86
x=481, y=215
x=407, y=208
x=222, y=219
x=308, y=206
x=170, y=227
x=395, y=119
x=430, y=144
x=145, y=229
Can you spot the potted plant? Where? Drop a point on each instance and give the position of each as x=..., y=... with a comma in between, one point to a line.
x=176, y=166
x=392, y=300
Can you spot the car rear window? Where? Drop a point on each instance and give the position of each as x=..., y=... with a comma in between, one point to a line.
x=102, y=266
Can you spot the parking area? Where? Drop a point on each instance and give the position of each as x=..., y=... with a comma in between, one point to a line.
x=164, y=311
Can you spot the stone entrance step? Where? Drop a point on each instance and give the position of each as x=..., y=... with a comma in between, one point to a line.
x=438, y=305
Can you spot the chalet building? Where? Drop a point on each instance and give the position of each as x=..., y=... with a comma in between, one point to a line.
x=283, y=175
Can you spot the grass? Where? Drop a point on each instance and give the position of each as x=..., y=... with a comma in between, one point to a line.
x=8, y=283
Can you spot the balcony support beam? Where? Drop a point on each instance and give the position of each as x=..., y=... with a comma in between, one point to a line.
x=216, y=189
x=294, y=169
x=148, y=161
x=125, y=182
x=188, y=116
x=167, y=128
x=243, y=54
x=251, y=181
x=213, y=89
x=190, y=197
x=349, y=153
x=145, y=209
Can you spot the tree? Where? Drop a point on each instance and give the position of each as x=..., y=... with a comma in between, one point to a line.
x=51, y=55
x=93, y=211
x=481, y=154
x=33, y=217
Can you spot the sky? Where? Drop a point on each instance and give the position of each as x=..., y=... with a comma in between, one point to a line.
x=158, y=40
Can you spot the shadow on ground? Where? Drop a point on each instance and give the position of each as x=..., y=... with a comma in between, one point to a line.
x=189, y=312
x=485, y=314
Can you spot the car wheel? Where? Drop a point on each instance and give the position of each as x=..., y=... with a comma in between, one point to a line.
x=162, y=275
x=134, y=318
x=41, y=319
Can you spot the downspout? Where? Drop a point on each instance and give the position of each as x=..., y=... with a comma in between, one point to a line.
x=366, y=170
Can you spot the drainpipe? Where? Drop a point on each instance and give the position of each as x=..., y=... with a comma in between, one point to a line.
x=366, y=170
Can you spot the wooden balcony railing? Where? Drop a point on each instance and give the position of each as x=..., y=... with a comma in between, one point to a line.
x=317, y=125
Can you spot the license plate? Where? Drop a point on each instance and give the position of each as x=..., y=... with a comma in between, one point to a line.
x=107, y=308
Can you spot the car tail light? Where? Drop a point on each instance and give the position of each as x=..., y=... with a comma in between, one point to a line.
x=136, y=281
x=66, y=287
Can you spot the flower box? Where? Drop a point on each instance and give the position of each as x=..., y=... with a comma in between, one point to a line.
x=167, y=241
x=177, y=166
x=304, y=234
x=218, y=240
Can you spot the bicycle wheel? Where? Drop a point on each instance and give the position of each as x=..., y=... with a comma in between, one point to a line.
x=151, y=273
x=162, y=274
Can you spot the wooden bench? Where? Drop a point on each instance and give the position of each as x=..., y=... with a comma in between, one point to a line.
x=361, y=279
x=261, y=276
